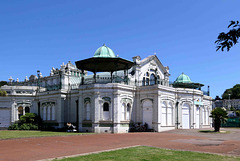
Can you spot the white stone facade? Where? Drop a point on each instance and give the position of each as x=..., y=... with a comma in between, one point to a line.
x=108, y=107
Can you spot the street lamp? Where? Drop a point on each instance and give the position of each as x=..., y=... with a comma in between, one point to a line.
x=38, y=83
x=229, y=105
x=177, y=106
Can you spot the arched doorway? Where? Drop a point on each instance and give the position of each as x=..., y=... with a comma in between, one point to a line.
x=147, y=113
x=186, y=116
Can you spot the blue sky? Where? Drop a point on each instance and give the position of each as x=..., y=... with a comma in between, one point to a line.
x=39, y=35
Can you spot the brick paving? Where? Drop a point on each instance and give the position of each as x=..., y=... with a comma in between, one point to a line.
x=28, y=149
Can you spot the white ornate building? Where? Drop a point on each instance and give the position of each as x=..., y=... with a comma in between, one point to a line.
x=108, y=101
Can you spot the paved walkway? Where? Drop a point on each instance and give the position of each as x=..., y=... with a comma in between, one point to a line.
x=51, y=147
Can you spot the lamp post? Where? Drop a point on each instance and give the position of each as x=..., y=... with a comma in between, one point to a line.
x=229, y=104
x=177, y=104
x=38, y=82
x=38, y=89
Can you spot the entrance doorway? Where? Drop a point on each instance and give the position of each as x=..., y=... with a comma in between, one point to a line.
x=186, y=116
x=147, y=113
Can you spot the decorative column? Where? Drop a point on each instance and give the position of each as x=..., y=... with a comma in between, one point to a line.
x=116, y=112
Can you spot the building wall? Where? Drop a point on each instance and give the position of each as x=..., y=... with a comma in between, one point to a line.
x=113, y=107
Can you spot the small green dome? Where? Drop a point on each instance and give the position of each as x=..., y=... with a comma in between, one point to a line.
x=183, y=78
x=104, y=52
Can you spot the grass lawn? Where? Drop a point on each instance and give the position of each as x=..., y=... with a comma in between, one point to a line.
x=12, y=134
x=144, y=153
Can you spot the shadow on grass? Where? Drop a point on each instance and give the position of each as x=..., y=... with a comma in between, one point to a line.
x=213, y=132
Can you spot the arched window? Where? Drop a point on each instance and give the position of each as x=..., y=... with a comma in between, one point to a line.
x=87, y=110
x=147, y=74
x=123, y=111
x=158, y=79
x=27, y=110
x=105, y=106
x=20, y=111
x=152, y=79
x=164, y=113
x=143, y=81
x=147, y=81
x=44, y=113
x=53, y=112
x=106, y=113
x=128, y=114
x=48, y=112
x=170, y=114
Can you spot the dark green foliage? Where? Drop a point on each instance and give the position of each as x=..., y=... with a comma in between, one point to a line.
x=227, y=40
x=3, y=93
x=25, y=126
x=28, y=127
x=13, y=127
x=238, y=113
x=29, y=121
x=2, y=83
x=219, y=116
x=234, y=92
x=217, y=98
x=30, y=118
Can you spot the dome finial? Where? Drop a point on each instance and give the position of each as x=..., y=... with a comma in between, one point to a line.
x=105, y=52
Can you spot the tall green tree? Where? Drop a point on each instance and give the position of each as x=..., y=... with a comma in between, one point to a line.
x=234, y=92
x=3, y=93
x=219, y=116
x=227, y=40
x=2, y=83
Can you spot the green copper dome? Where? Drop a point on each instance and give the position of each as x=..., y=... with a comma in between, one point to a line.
x=104, y=52
x=183, y=78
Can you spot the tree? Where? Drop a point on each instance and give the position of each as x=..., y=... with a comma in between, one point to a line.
x=227, y=40
x=2, y=83
x=219, y=116
x=226, y=93
x=217, y=98
x=3, y=93
x=234, y=92
x=30, y=118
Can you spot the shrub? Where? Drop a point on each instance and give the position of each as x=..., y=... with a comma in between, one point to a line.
x=28, y=127
x=219, y=116
x=14, y=127
x=30, y=118
x=29, y=121
x=3, y=93
x=24, y=127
